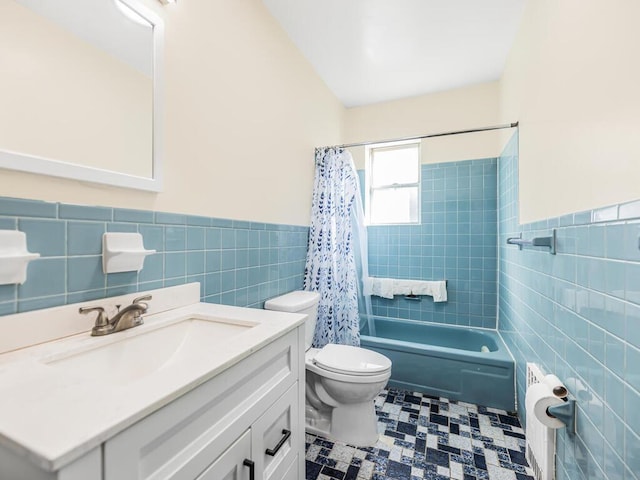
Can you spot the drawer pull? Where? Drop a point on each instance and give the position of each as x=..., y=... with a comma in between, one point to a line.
x=285, y=436
x=252, y=468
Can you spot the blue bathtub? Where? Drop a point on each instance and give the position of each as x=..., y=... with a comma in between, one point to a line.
x=445, y=361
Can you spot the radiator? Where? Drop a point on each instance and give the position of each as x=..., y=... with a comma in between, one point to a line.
x=541, y=440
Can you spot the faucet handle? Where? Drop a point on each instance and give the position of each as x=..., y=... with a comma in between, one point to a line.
x=102, y=324
x=144, y=298
x=85, y=310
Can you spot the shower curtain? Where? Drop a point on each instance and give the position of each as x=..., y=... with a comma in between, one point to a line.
x=330, y=268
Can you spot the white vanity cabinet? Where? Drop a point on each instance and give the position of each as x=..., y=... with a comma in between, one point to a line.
x=220, y=430
x=199, y=391
x=233, y=419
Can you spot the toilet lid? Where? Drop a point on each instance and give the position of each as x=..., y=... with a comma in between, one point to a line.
x=351, y=360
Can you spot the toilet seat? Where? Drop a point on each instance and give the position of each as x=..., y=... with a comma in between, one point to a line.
x=350, y=360
x=346, y=377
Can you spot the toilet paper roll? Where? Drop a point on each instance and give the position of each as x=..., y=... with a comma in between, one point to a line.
x=557, y=387
x=539, y=397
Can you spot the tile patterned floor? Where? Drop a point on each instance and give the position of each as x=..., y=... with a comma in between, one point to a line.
x=425, y=437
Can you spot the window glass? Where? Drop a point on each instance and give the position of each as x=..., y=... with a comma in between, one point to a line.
x=394, y=205
x=392, y=165
x=394, y=184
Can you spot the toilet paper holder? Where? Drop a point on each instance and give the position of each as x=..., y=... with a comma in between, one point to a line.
x=565, y=412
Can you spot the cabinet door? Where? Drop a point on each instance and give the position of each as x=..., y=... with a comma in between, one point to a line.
x=231, y=464
x=292, y=473
x=275, y=437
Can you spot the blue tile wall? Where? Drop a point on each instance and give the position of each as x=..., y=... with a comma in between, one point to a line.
x=236, y=262
x=455, y=241
x=577, y=314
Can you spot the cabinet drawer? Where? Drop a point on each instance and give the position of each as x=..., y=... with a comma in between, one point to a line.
x=275, y=436
x=181, y=440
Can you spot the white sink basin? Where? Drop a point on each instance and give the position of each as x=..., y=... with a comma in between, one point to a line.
x=133, y=354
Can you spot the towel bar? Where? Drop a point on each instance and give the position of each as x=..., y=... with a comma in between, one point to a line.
x=549, y=242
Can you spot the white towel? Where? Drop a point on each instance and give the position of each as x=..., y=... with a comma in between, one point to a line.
x=436, y=289
x=380, y=287
x=388, y=287
x=405, y=287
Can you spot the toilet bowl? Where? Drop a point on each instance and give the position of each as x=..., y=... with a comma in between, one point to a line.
x=341, y=381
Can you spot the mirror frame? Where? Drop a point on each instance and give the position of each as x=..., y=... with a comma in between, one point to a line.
x=58, y=168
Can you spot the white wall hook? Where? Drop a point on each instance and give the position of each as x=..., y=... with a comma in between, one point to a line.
x=14, y=257
x=123, y=252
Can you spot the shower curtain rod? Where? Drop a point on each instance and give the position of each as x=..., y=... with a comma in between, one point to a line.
x=431, y=135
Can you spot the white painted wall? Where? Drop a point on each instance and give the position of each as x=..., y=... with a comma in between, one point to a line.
x=572, y=79
x=244, y=111
x=468, y=146
x=459, y=109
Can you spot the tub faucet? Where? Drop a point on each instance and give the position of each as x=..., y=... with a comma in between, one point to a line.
x=129, y=317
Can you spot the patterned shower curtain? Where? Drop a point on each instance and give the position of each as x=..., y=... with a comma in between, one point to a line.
x=330, y=269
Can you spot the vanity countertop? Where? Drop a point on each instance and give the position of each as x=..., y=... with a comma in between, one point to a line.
x=53, y=416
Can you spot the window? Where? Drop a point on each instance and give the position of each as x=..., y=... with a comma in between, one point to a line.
x=393, y=182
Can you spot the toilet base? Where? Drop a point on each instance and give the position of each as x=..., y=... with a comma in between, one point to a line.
x=317, y=421
x=355, y=424
x=319, y=431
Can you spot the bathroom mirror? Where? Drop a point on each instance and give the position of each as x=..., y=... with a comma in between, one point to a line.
x=81, y=90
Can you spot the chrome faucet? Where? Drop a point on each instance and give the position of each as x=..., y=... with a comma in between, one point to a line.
x=129, y=317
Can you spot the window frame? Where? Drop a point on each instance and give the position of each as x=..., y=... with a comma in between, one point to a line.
x=369, y=190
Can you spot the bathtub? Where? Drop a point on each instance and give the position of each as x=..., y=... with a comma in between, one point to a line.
x=445, y=361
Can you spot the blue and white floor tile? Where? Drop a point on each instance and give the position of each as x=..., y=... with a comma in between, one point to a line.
x=424, y=437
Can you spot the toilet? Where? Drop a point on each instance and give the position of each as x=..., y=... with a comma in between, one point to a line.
x=341, y=381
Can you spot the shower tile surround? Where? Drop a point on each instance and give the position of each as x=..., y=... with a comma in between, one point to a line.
x=577, y=314
x=455, y=241
x=236, y=262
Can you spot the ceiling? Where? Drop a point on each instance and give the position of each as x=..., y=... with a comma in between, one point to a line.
x=370, y=51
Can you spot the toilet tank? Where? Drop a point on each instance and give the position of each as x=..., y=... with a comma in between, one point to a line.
x=298, y=302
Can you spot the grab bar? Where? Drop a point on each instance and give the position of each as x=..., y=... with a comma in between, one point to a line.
x=549, y=242
x=413, y=297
